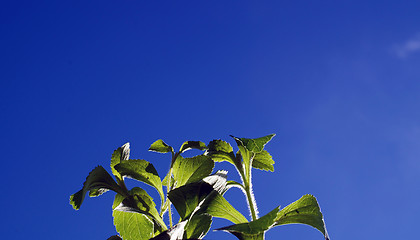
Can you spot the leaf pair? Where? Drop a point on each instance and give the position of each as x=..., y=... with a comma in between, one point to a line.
x=304, y=211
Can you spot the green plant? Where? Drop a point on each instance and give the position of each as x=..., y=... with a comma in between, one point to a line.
x=195, y=192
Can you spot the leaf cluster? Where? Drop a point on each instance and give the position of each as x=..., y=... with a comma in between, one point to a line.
x=194, y=190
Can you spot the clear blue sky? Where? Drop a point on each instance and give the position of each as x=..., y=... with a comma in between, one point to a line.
x=337, y=81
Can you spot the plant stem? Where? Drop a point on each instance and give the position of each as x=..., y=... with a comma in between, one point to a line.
x=251, y=201
x=167, y=199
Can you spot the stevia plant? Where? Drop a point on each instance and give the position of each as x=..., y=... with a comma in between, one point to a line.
x=196, y=193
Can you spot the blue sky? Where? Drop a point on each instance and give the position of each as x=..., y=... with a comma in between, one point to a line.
x=337, y=81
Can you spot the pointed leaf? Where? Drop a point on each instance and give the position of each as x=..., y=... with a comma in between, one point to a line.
x=255, y=229
x=197, y=226
x=141, y=170
x=305, y=211
x=131, y=225
x=188, y=170
x=218, y=206
x=160, y=146
x=254, y=145
x=220, y=150
x=98, y=178
x=263, y=161
x=192, y=145
x=120, y=154
x=249, y=147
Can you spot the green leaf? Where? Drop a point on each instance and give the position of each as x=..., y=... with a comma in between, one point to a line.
x=253, y=230
x=188, y=170
x=305, y=211
x=220, y=150
x=133, y=225
x=217, y=206
x=197, y=226
x=249, y=148
x=204, y=197
x=192, y=145
x=140, y=202
x=120, y=154
x=263, y=161
x=254, y=145
x=99, y=179
x=141, y=170
x=160, y=146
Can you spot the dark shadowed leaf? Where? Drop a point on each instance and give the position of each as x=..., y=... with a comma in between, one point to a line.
x=115, y=237
x=253, y=230
x=174, y=233
x=98, y=178
x=161, y=147
x=141, y=170
x=305, y=211
x=192, y=145
x=204, y=197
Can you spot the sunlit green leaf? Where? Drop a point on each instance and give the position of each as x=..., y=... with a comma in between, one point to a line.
x=160, y=146
x=120, y=154
x=263, y=161
x=188, y=170
x=98, y=178
x=192, y=145
x=248, y=148
x=220, y=150
x=253, y=230
x=254, y=145
x=141, y=170
x=217, y=206
x=133, y=225
x=197, y=226
x=140, y=202
x=305, y=211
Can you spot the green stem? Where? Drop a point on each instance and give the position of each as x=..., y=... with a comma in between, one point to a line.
x=174, y=157
x=167, y=199
x=246, y=176
x=251, y=201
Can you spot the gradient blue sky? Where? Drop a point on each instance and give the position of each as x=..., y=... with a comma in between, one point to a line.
x=337, y=81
